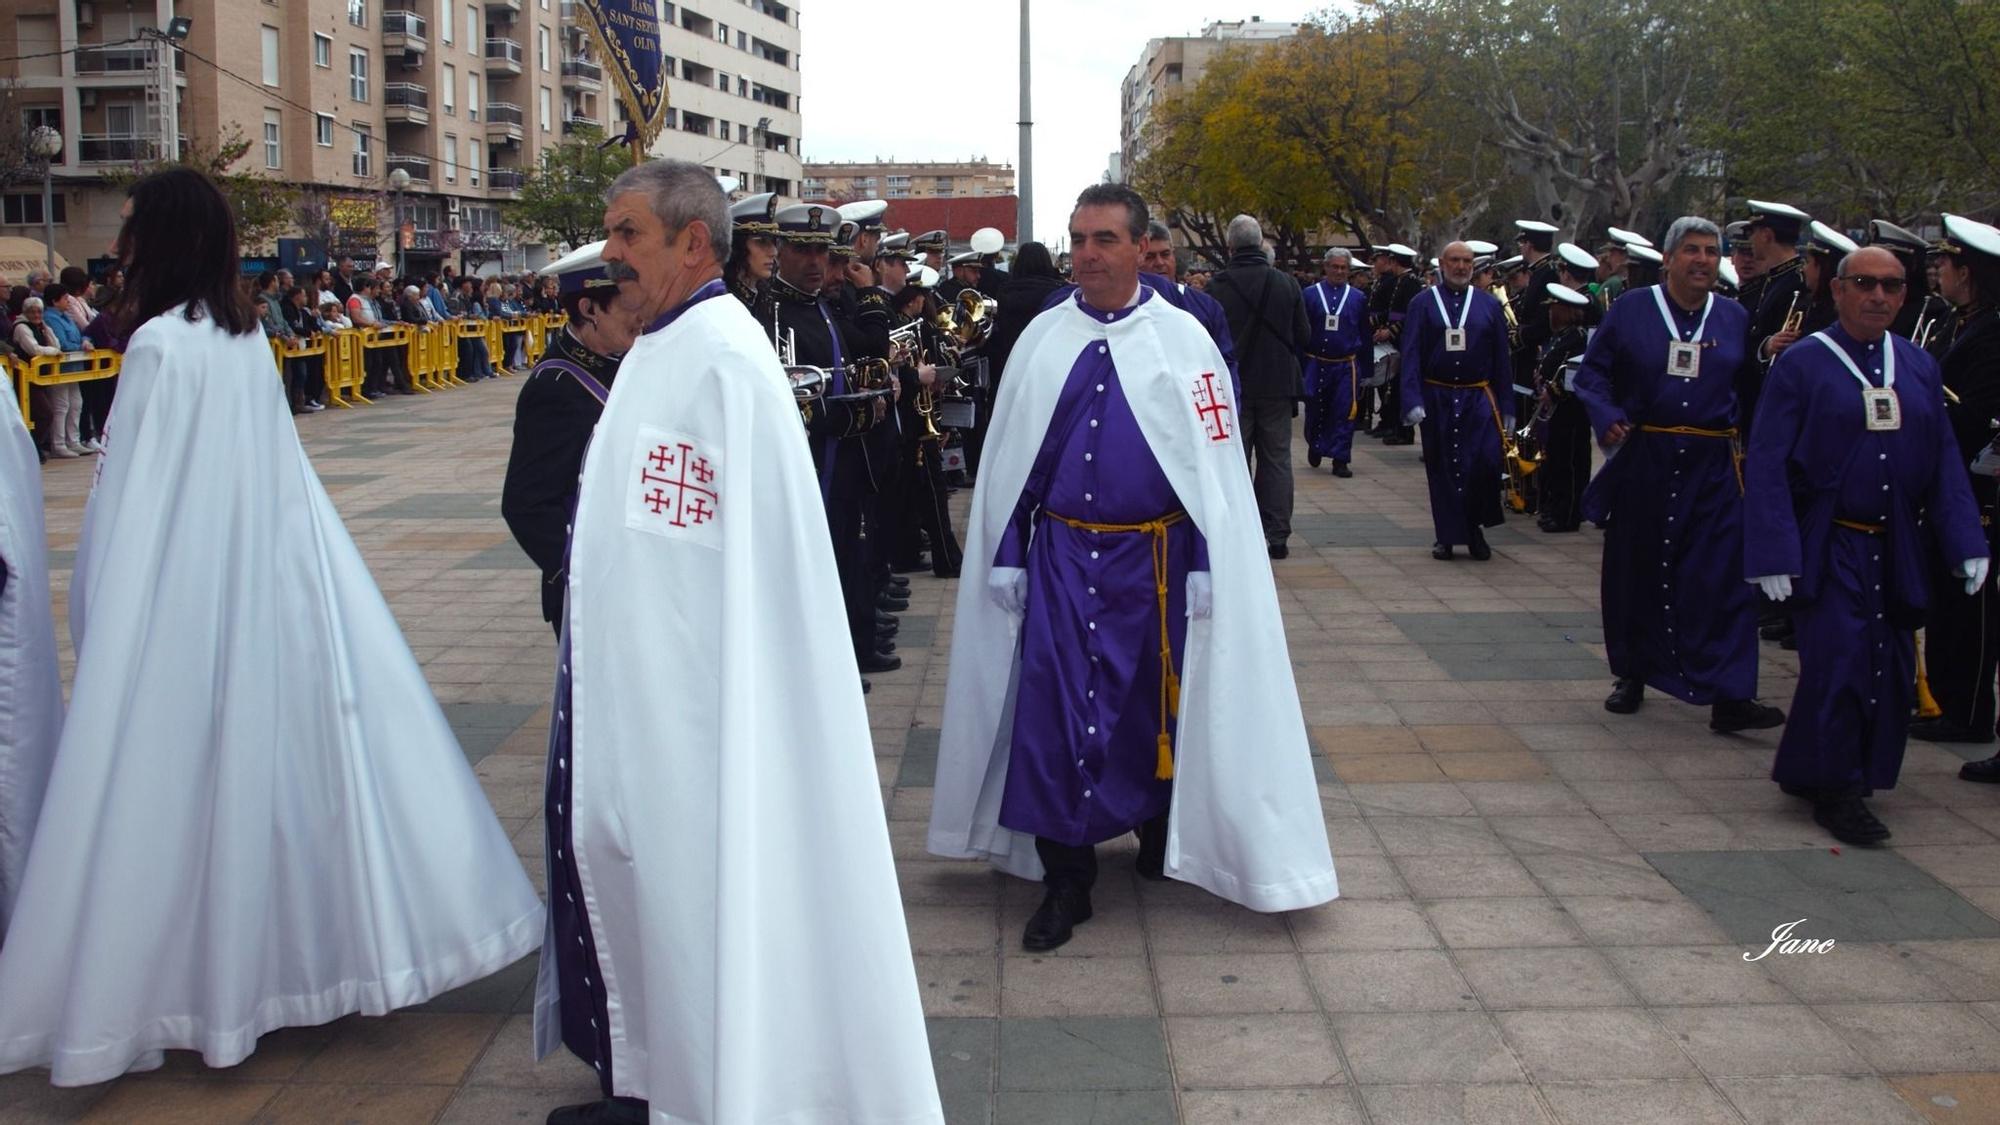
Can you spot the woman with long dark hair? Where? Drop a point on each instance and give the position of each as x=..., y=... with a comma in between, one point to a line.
x=257, y=815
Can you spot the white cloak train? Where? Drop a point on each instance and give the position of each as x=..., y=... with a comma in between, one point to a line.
x=30, y=680
x=258, y=816
x=1246, y=821
x=727, y=826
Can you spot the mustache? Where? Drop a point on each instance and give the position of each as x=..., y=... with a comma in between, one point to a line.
x=620, y=271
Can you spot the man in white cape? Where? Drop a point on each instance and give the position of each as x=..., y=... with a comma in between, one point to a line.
x=1118, y=661
x=258, y=816
x=726, y=941
x=30, y=680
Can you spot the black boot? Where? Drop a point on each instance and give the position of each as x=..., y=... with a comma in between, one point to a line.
x=1312, y=457
x=1986, y=771
x=1731, y=715
x=1478, y=549
x=1848, y=820
x=1152, y=861
x=1441, y=552
x=1626, y=695
x=876, y=662
x=1062, y=909
x=610, y=1111
x=1341, y=470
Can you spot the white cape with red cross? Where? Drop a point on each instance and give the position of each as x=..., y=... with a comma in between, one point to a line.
x=727, y=823
x=1246, y=821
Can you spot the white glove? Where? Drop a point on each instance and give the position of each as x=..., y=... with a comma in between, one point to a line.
x=1776, y=587
x=1008, y=587
x=1200, y=594
x=1975, y=574
x=1414, y=417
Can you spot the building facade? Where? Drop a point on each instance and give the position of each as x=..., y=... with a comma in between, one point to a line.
x=335, y=95
x=733, y=91
x=1168, y=66
x=842, y=181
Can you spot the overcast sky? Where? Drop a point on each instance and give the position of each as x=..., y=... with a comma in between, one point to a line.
x=961, y=95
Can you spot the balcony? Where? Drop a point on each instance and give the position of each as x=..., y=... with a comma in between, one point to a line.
x=113, y=60
x=115, y=148
x=506, y=181
x=405, y=32
x=582, y=74
x=503, y=57
x=571, y=125
x=419, y=167
x=505, y=8
x=504, y=121
x=406, y=103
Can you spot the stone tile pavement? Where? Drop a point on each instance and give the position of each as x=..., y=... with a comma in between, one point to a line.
x=1546, y=908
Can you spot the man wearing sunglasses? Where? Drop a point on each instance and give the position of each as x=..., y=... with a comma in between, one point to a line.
x=1853, y=477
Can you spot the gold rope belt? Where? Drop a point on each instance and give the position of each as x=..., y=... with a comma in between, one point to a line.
x=1482, y=385
x=1863, y=528
x=1353, y=381
x=1170, y=684
x=1735, y=455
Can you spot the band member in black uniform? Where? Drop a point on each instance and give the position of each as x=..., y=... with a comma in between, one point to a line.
x=1824, y=247
x=1962, y=633
x=932, y=244
x=1642, y=266
x=558, y=408
x=925, y=494
x=753, y=252
x=1774, y=234
x=1923, y=308
x=1563, y=426
x=1749, y=271
x=838, y=425
x=1536, y=242
x=1396, y=286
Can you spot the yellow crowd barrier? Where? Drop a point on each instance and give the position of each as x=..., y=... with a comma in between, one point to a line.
x=47, y=371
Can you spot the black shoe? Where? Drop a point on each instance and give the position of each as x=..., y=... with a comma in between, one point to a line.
x=610, y=1111
x=1441, y=552
x=1850, y=822
x=1790, y=643
x=866, y=687
x=1626, y=695
x=1478, y=549
x=1944, y=730
x=1985, y=772
x=1400, y=439
x=1312, y=458
x=899, y=583
x=1062, y=909
x=1340, y=469
x=891, y=603
x=1277, y=550
x=1152, y=861
x=884, y=619
x=949, y=572
x=908, y=565
x=876, y=662
x=885, y=648
x=1776, y=630
x=1799, y=791
x=1734, y=715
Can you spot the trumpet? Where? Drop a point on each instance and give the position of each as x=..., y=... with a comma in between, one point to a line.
x=808, y=383
x=1795, y=316
x=906, y=344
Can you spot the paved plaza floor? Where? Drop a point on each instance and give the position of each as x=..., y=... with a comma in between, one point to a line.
x=1545, y=908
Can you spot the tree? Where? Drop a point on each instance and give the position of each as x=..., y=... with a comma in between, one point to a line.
x=17, y=161
x=263, y=206
x=562, y=201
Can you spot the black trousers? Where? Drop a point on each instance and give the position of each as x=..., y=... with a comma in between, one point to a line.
x=1962, y=649
x=850, y=560
x=925, y=504
x=97, y=396
x=1075, y=865
x=1565, y=467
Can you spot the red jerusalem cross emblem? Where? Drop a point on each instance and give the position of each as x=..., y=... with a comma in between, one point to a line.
x=1210, y=408
x=677, y=484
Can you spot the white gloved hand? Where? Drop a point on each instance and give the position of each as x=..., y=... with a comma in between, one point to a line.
x=1414, y=417
x=1975, y=574
x=1200, y=594
x=1776, y=587
x=1008, y=587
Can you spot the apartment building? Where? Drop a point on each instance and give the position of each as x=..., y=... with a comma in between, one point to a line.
x=733, y=88
x=1175, y=63
x=336, y=95
x=894, y=179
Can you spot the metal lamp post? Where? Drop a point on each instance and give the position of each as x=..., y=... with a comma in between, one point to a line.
x=398, y=180
x=47, y=143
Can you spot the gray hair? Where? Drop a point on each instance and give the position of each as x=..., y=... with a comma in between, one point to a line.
x=1158, y=232
x=1341, y=252
x=680, y=193
x=1685, y=226
x=32, y=304
x=1245, y=233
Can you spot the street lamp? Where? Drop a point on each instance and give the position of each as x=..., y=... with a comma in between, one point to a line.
x=47, y=143
x=399, y=178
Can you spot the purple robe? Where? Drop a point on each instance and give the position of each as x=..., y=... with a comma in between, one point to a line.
x=1815, y=471
x=1677, y=615
x=1463, y=410
x=1341, y=338
x=1087, y=711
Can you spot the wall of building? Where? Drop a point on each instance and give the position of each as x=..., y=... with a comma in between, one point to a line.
x=755, y=44
x=892, y=179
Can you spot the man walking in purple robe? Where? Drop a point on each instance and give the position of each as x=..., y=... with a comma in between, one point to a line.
x=1660, y=381
x=1852, y=468
x=1454, y=350
x=1338, y=313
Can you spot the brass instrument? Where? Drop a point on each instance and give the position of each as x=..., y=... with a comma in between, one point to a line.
x=976, y=312
x=1927, y=325
x=1795, y=316
x=906, y=344
x=1499, y=291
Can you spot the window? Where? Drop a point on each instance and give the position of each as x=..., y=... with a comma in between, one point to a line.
x=547, y=115
x=121, y=120
x=722, y=34
x=25, y=208
x=472, y=28
x=474, y=161
x=667, y=66
x=273, y=150
x=357, y=12
x=357, y=74
x=666, y=13
x=742, y=40
x=742, y=86
x=444, y=23
x=270, y=56
x=743, y=134
x=450, y=159
x=323, y=130
x=322, y=50
x=722, y=81
x=542, y=47
x=36, y=116
x=722, y=128
x=448, y=88
x=364, y=165
x=472, y=102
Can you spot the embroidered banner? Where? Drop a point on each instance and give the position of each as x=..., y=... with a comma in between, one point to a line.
x=626, y=34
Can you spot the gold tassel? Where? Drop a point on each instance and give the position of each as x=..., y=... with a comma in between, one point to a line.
x=1165, y=770
x=1173, y=695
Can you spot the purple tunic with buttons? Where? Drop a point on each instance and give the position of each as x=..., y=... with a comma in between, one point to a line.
x=1086, y=717
x=1852, y=512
